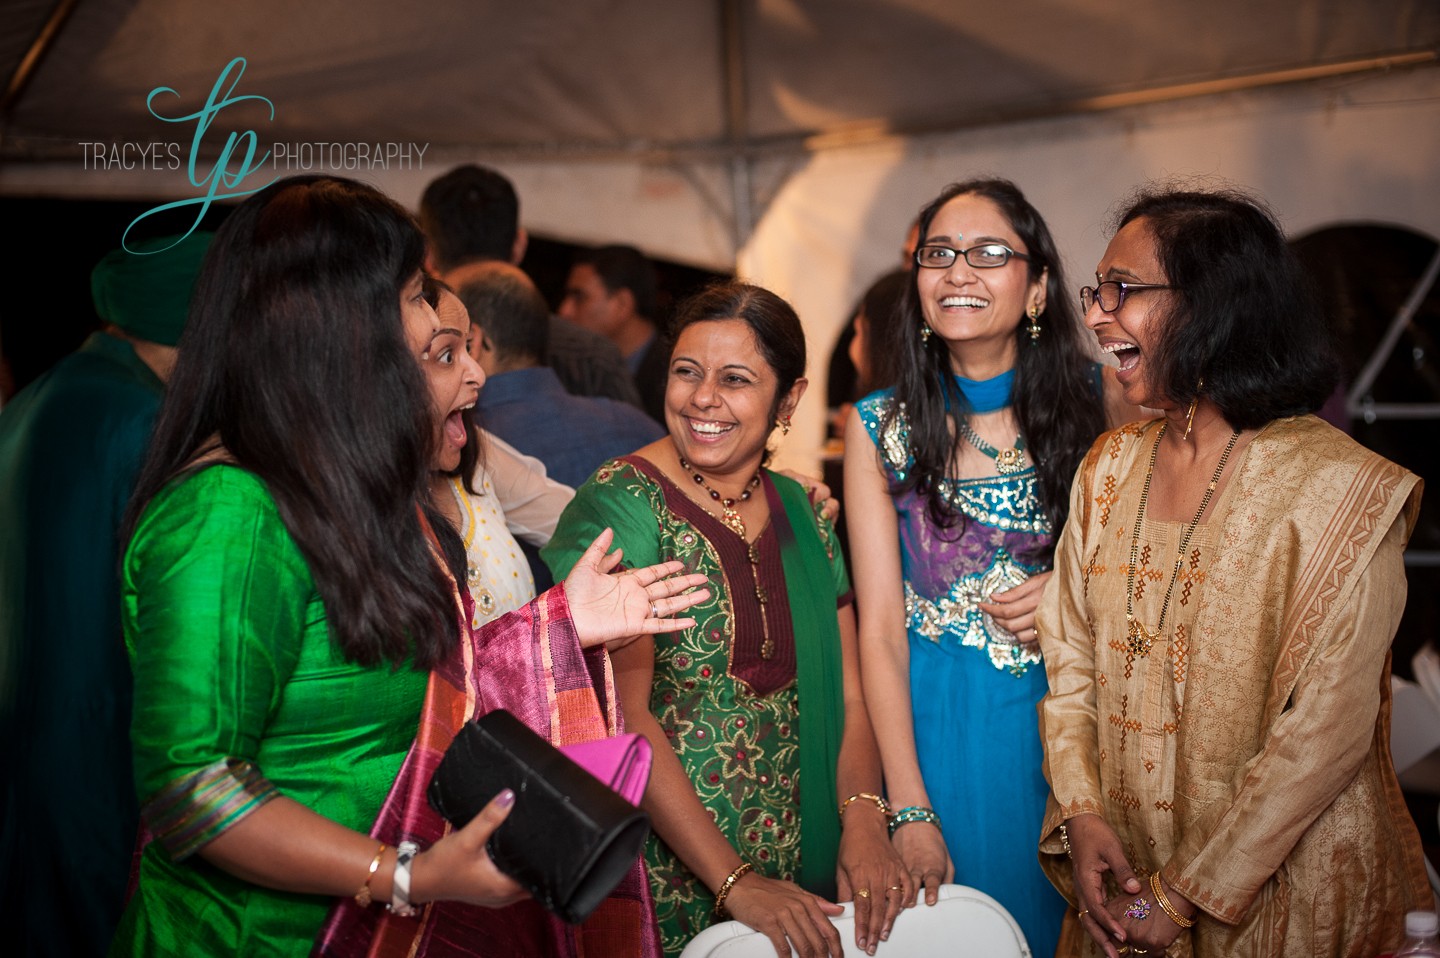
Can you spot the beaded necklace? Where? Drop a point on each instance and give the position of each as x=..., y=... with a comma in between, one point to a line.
x=1139, y=639
x=730, y=516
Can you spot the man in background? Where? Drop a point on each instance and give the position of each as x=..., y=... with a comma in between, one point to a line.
x=71, y=444
x=611, y=291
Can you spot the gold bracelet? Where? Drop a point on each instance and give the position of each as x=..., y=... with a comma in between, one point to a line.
x=1065, y=841
x=362, y=897
x=1158, y=887
x=880, y=803
x=723, y=892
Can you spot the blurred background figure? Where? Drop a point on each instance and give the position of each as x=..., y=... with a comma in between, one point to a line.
x=611, y=291
x=71, y=444
x=472, y=215
x=523, y=401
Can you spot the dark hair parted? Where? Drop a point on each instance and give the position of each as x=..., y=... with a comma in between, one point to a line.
x=295, y=362
x=1243, y=313
x=773, y=322
x=470, y=213
x=624, y=267
x=1056, y=396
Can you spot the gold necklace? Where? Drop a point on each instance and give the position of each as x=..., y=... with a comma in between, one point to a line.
x=1138, y=638
x=730, y=516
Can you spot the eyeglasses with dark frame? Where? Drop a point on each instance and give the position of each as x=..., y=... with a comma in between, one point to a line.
x=984, y=256
x=1111, y=294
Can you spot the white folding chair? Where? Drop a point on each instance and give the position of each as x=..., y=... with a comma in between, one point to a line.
x=964, y=922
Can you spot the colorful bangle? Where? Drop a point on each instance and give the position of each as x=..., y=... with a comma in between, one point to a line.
x=1065, y=841
x=1158, y=887
x=400, y=904
x=880, y=803
x=362, y=897
x=723, y=892
x=913, y=813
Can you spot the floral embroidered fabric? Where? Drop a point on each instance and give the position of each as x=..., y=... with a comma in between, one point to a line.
x=948, y=572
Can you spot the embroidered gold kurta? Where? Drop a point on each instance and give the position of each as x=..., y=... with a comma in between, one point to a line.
x=1247, y=756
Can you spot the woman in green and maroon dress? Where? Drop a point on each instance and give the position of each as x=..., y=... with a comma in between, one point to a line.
x=756, y=711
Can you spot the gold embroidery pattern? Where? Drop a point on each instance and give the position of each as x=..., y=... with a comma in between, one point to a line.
x=1093, y=567
x=1180, y=652
x=1106, y=499
x=1335, y=566
x=958, y=615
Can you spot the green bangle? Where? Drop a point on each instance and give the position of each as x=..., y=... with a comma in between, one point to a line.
x=913, y=813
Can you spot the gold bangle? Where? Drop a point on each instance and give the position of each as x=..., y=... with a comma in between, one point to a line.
x=362, y=897
x=880, y=803
x=1065, y=841
x=1158, y=887
x=723, y=892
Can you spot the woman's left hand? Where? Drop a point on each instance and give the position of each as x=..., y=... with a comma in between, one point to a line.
x=824, y=503
x=1014, y=609
x=610, y=607
x=869, y=863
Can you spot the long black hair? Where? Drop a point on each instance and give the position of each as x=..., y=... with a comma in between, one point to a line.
x=1056, y=397
x=295, y=362
x=1244, y=316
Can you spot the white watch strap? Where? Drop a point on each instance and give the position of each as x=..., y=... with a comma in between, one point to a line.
x=405, y=853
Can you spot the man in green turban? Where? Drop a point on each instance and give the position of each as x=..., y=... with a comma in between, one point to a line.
x=71, y=444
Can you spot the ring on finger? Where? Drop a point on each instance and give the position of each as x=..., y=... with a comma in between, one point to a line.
x=654, y=611
x=862, y=893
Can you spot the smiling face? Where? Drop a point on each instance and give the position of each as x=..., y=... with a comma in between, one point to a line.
x=437, y=338
x=1130, y=331
x=974, y=310
x=720, y=399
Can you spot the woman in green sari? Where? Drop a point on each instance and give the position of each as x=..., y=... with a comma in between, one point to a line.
x=756, y=712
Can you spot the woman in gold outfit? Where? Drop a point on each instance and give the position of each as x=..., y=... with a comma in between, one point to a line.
x=1217, y=632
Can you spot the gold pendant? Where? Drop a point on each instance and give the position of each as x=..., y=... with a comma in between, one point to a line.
x=1138, y=640
x=732, y=521
x=1009, y=461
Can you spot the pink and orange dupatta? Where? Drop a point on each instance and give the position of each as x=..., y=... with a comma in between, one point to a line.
x=530, y=663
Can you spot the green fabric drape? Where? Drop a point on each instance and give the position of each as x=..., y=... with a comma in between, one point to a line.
x=819, y=673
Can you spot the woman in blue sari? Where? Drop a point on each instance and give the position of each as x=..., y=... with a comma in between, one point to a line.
x=956, y=483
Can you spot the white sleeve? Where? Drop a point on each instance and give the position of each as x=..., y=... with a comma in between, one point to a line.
x=531, y=500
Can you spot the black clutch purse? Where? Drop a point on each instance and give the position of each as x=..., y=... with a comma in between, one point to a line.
x=569, y=839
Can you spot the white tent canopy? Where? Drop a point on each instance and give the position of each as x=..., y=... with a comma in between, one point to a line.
x=793, y=139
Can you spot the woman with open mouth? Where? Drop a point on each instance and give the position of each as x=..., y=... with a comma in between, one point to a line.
x=301, y=647
x=956, y=482
x=756, y=713
x=1217, y=633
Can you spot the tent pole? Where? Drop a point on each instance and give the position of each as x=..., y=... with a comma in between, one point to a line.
x=31, y=61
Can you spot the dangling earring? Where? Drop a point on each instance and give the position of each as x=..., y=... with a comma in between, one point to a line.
x=784, y=423
x=925, y=335
x=1190, y=416
x=1034, y=329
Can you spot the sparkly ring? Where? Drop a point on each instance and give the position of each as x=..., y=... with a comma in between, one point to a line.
x=862, y=893
x=1139, y=910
